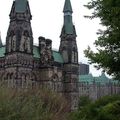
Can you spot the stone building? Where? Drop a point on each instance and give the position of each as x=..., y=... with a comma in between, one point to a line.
x=23, y=65
x=97, y=87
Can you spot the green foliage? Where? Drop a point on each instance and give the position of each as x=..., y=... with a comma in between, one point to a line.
x=108, y=42
x=106, y=108
x=29, y=104
x=111, y=111
x=83, y=101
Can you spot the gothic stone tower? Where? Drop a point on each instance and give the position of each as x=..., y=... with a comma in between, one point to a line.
x=26, y=65
x=19, y=45
x=68, y=49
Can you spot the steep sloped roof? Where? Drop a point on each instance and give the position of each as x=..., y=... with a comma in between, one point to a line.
x=86, y=78
x=67, y=6
x=20, y=6
x=57, y=56
x=36, y=52
x=102, y=79
x=2, y=51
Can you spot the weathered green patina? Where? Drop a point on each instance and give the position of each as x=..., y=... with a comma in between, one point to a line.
x=36, y=52
x=2, y=51
x=100, y=80
x=68, y=24
x=20, y=6
x=86, y=78
x=67, y=6
x=57, y=56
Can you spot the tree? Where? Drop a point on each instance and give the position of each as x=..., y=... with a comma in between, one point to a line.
x=111, y=111
x=105, y=108
x=83, y=101
x=107, y=56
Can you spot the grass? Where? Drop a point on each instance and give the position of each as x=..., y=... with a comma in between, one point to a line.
x=31, y=104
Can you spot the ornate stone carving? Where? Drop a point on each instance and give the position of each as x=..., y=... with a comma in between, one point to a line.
x=12, y=42
x=25, y=42
x=9, y=43
x=46, y=58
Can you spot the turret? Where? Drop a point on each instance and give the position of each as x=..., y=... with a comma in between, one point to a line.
x=68, y=46
x=69, y=52
x=19, y=36
x=20, y=10
x=68, y=24
x=19, y=46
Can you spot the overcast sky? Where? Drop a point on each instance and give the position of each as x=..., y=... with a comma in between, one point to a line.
x=47, y=21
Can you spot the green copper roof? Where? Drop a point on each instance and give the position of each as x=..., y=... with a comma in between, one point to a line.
x=69, y=28
x=68, y=24
x=86, y=78
x=36, y=52
x=57, y=56
x=102, y=79
x=67, y=6
x=20, y=6
x=2, y=51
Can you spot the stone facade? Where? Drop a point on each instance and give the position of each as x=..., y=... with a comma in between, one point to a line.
x=23, y=65
x=97, y=87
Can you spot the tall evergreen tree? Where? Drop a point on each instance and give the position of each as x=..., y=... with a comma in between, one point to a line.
x=108, y=42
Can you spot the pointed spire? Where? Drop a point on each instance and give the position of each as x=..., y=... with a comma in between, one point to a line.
x=20, y=6
x=68, y=24
x=67, y=6
x=0, y=41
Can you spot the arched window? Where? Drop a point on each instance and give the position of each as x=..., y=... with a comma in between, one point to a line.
x=10, y=38
x=23, y=77
x=55, y=80
x=33, y=80
x=9, y=78
x=28, y=81
x=25, y=42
